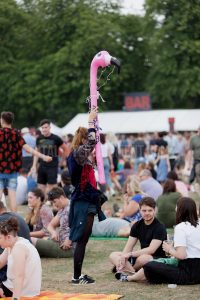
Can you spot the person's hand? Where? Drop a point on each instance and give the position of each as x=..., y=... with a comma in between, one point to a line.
x=112, y=167
x=93, y=114
x=47, y=158
x=122, y=261
x=32, y=171
x=167, y=246
x=54, y=236
x=67, y=244
x=2, y=293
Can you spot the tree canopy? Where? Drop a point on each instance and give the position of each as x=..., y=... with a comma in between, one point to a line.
x=47, y=46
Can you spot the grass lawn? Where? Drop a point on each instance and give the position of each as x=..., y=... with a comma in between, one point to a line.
x=57, y=274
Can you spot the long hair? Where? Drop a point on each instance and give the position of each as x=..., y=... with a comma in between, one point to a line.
x=134, y=185
x=34, y=214
x=80, y=134
x=187, y=211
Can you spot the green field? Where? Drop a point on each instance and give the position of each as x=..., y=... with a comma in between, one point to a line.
x=57, y=274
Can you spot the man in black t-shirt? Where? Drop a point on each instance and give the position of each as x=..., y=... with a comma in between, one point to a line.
x=49, y=143
x=149, y=232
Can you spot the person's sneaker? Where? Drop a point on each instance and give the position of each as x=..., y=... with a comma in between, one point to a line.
x=83, y=279
x=121, y=277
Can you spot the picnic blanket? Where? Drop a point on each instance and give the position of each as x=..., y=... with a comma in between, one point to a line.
x=50, y=295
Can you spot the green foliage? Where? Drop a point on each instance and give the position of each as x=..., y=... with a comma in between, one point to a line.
x=174, y=78
x=46, y=47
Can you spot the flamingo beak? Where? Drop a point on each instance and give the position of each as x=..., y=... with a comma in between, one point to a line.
x=114, y=61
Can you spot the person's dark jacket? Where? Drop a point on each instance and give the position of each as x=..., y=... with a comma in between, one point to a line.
x=82, y=199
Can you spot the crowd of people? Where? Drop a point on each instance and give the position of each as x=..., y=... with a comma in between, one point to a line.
x=151, y=174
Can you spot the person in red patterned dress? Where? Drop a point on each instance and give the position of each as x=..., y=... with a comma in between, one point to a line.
x=11, y=144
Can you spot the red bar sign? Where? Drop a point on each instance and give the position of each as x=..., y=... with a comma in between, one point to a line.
x=137, y=101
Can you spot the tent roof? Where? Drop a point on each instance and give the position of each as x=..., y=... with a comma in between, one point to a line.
x=140, y=121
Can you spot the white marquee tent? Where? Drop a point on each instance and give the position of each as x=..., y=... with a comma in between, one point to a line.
x=136, y=122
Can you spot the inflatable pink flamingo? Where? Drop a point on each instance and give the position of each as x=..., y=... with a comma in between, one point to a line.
x=101, y=59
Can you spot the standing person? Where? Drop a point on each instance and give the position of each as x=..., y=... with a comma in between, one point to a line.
x=173, y=148
x=163, y=164
x=27, y=158
x=11, y=145
x=150, y=233
x=49, y=144
x=186, y=249
x=107, y=149
x=85, y=198
x=195, y=152
x=23, y=261
x=140, y=150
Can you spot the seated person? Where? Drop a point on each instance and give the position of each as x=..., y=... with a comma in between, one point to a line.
x=23, y=262
x=111, y=227
x=22, y=232
x=149, y=185
x=59, y=245
x=22, y=187
x=150, y=233
x=132, y=198
x=181, y=187
x=66, y=184
x=186, y=249
x=39, y=216
x=166, y=204
x=23, y=227
x=125, y=172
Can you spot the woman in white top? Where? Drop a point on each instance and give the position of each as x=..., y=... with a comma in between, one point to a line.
x=186, y=249
x=23, y=263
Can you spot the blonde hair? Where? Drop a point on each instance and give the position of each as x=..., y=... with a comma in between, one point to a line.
x=80, y=134
x=134, y=185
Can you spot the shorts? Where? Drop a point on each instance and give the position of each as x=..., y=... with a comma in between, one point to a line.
x=8, y=181
x=47, y=175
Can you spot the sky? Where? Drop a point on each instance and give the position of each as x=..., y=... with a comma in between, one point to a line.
x=133, y=6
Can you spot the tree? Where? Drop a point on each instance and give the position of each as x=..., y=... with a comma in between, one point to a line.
x=53, y=43
x=174, y=44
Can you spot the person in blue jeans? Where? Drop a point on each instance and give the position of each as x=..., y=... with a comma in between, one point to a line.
x=11, y=145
